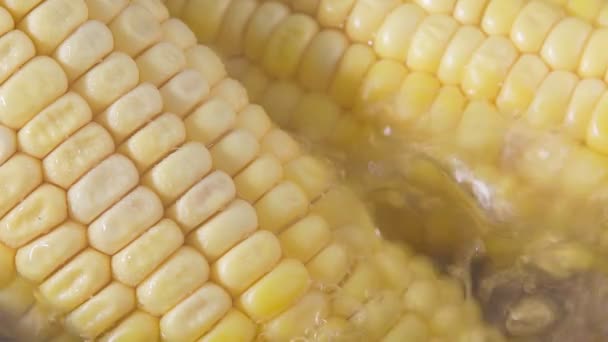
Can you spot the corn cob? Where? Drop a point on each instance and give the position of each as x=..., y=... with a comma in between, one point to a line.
x=137, y=179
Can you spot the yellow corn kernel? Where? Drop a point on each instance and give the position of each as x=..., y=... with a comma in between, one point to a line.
x=124, y=221
x=235, y=326
x=76, y=281
x=429, y=42
x=25, y=174
x=585, y=97
x=16, y=298
x=102, y=311
x=415, y=97
x=205, y=61
x=107, y=81
x=6, y=21
x=234, y=151
x=262, y=251
x=170, y=283
x=134, y=30
x=105, y=10
x=313, y=175
x=378, y=315
x=156, y=7
x=136, y=261
x=287, y=44
x=255, y=81
x=280, y=99
x=305, y=315
x=533, y=24
x=178, y=33
x=175, y=174
x=258, y=177
x=583, y=171
x=52, y=21
x=333, y=13
x=321, y=58
x=597, y=131
x=352, y=69
x=485, y=143
x=18, y=8
x=457, y=54
x=139, y=326
x=380, y=84
x=41, y=257
x=470, y=12
x=286, y=196
x=231, y=92
x=38, y=213
x=365, y=17
x=77, y=155
x=7, y=262
x=394, y=36
x=521, y=84
x=564, y=45
x=8, y=144
x=409, y=328
x=500, y=15
x=210, y=121
x=253, y=119
x=157, y=139
x=37, y=84
x=220, y=234
x=542, y=160
x=391, y=262
x=421, y=298
x=276, y=291
x=101, y=188
x=329, y=266
x=551, y=99
x=205, y=30
x=445, y=112
x=183, y=92
x=488, y=68
x=230, y=37
x=132, y=111
x=594, y=59
x=50, y=127
x=195, y=315
x=202, y=200
x=315, y=116
x=305, y=238
x=261, y=25
x=160, y=62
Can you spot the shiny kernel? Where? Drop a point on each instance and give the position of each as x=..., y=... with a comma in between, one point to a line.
x=287, y=44
x=458, y=53
x=551, y=99
x=281, y=145
x=178, y=172
x=350, y=74
x=183, y=92
x=19, y=176
x=312, y=174
x=365, y=18
x=258, y=177
x=521, y=85
x=125, y=221
x=415, y=97
x=134, y=30
x=585, y=97
x=262, y=24
x=101, y=312
x=276, y=292
x=207, y=62
x=41, y=257
x=594, y=59
x=329, y=267
x=131, y=112
x=136, y=261
x=210, y=121
x=50, y=127
x=52, y=21
x=297, y=321
x=564, y=45
x=107, y=81
x=19, y=8
x=16, y=49
x=445, y=112
x=101, y=188
x=488, y=68
x=234, y=151
x=235, y=326
x=154, y=141
x=156, y=7
x=380, y=85
x=84, y=48
x=321, y=58
x=202, y=200
x=470, y=12
x=500, y=15
x=262, y=251
x=533, y=24
x=37, y=214
x=195, y=315
x=232, y=92
x=395, y=35
x=160, y=62
x=76, y=282
x=178, y=33
x=255, y=120
x=305, y=238
x=280, y=206
x=214, y=10
x=37, y=84
x=597, y=131
x=171, y=283
x=587, y=9
x=220, y=234
x=334, y=13
x=77, y=155
x=138, y=326
x=430, y=41
x=584, y=171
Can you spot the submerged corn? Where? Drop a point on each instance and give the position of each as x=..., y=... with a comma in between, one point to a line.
x=145, y=199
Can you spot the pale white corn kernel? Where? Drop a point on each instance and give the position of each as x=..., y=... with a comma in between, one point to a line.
x=470, y=12
x=234, y=151
x=312, y=174
x=15, y=50
x=395, y=35
x=105, y=10
x=254, y=119
x=232, y=27
x=262, y=24
x=281, y=144
x=19, y=8
x=7, y=22
x=138, y=326
x=210, y=121
x=258, y=177
x=19, y=176
x=208, y=63
x=8, y=143
x=156, y=7
x=183, y=92
x=134, y=30
x=205, y=30
x=305, y=238
x=329, y=266
x=282, y=205
x=160, y=62
x=232, y=92
x=178, y=33
x=8, y=264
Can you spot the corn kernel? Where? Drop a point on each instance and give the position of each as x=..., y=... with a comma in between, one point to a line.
x=134, y=30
